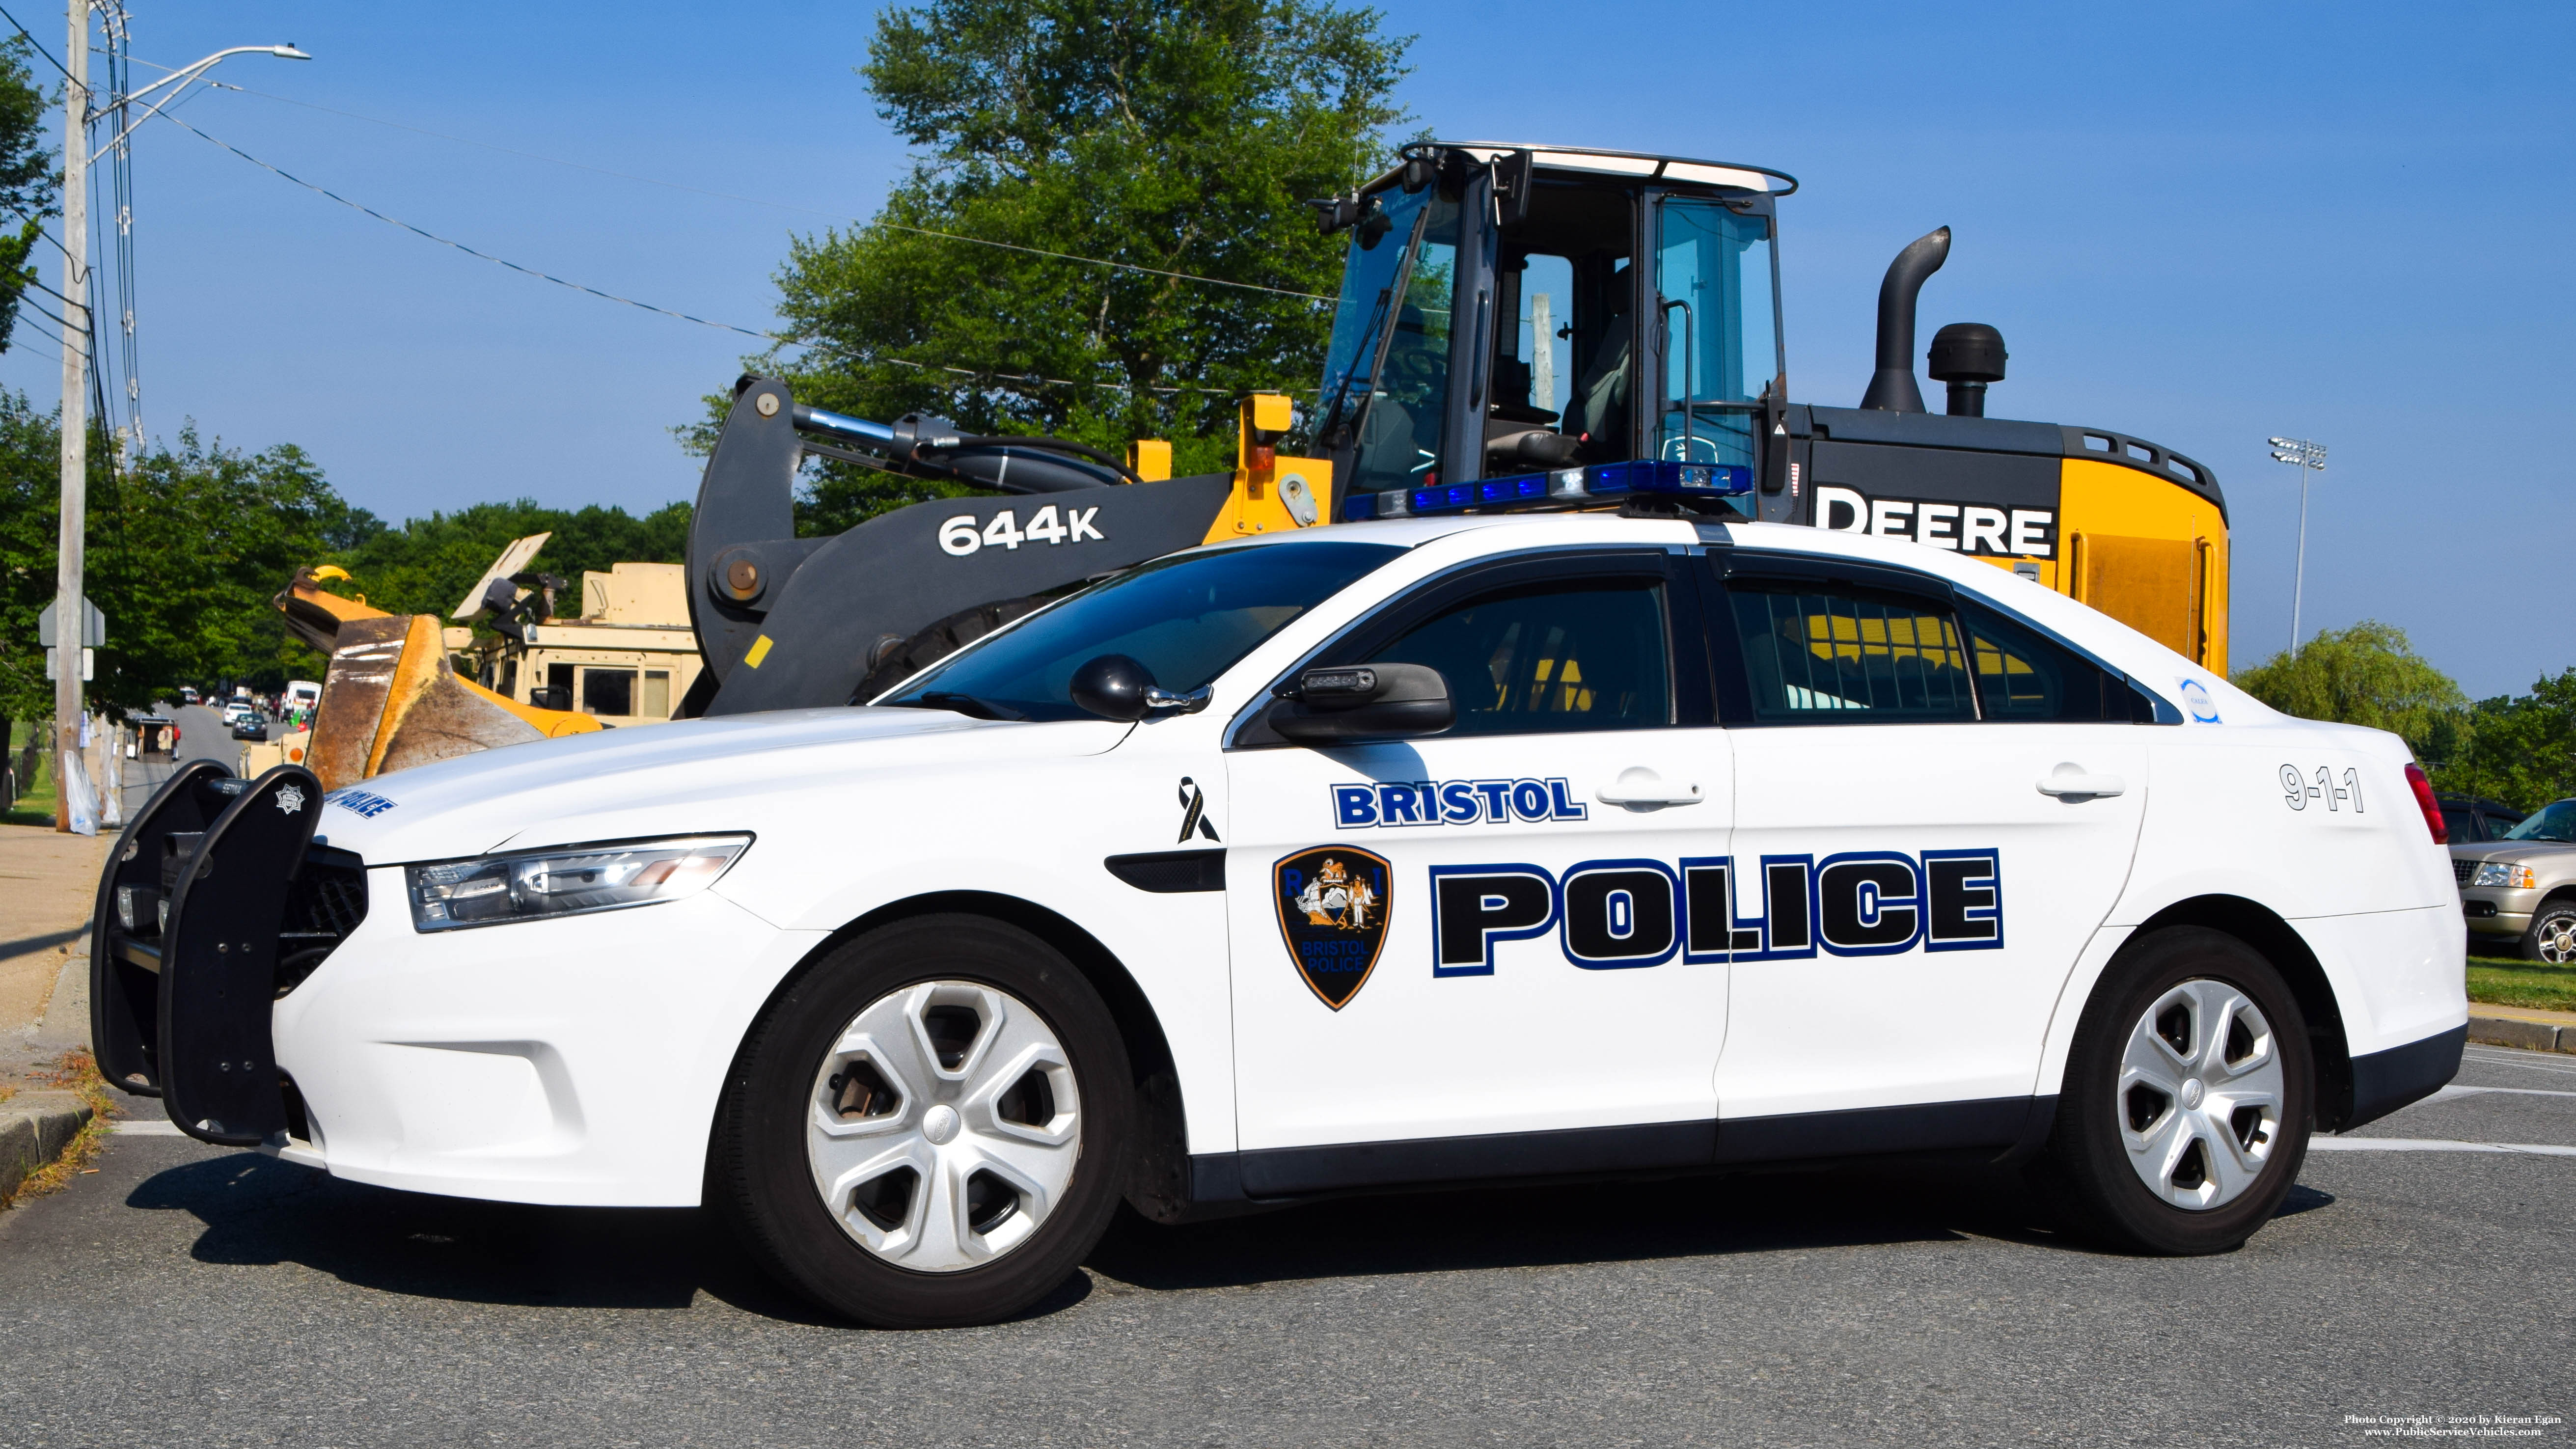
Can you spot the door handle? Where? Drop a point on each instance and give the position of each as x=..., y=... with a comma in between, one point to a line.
x=2073, y=781
x=1639, y=788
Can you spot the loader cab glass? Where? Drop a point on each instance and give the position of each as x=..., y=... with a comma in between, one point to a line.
x=1386, y=378
x=1719, y=334
x=1566, y=275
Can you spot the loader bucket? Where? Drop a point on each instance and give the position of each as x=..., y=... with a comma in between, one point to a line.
x=391, y=700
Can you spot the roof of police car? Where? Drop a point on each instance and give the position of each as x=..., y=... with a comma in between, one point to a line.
x=1506, y=532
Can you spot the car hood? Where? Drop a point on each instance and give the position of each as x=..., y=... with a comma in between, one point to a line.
x=686, y=777
x=2515, y=850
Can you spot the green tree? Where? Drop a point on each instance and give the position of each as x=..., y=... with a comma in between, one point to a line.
x=1176, y=135
x=2370, y=675
x=185, y=549
x=426, y=565
x=2520, y=750
x=28, y=181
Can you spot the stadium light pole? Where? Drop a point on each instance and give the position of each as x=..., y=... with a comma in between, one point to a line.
x=2308, y=458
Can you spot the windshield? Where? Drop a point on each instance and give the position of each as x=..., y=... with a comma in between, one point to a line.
x=1396, y=293
x=1186, y=618
x=2555, y=822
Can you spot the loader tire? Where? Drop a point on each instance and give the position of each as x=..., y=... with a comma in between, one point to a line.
x=895, y=660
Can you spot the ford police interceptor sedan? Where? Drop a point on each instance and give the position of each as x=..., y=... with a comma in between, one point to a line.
x=1398, y=853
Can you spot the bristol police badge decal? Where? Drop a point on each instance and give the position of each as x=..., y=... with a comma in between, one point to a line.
x=1333, y=902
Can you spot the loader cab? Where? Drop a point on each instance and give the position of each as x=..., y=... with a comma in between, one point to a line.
x=1510, y=310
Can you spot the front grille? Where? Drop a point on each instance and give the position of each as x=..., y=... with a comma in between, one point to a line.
x=2463, y=869
x=328, y=902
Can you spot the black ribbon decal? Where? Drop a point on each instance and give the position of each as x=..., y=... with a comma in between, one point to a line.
x=1194, y=811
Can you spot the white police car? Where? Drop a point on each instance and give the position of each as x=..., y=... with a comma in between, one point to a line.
x=1381, y=855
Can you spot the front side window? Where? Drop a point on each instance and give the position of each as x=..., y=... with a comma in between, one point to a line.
x=1588, y=654
x=1830, y=653
x=608, y=691
x=1186, y=618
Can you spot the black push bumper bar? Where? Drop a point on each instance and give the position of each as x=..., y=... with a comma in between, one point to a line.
x=214, y=903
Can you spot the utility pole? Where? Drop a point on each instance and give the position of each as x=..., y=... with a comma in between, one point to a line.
x=75, y=520
x=2309, y=458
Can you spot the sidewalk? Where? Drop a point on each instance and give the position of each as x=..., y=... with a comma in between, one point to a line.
x=48, y=883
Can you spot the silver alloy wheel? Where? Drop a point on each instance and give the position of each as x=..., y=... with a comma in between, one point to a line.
x=2200, y=1095
x=944, y=1125
x=2555, y=938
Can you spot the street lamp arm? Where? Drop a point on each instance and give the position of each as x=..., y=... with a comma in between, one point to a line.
x=179, y=80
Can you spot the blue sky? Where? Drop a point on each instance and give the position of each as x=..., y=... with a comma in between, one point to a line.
x=2202, y=224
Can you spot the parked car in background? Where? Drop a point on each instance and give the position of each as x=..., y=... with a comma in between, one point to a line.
x=2473, y=819
x=187, y=695
x=250, y=724
x=2518, y=890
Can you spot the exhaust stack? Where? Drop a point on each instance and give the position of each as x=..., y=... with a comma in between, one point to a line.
x=1892, y=388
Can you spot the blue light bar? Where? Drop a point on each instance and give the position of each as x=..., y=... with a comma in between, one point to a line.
x=1722, y=480
x=1568, y=486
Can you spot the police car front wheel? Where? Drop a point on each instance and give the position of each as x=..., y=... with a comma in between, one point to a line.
x=928, y=1127
x=2188, y=1097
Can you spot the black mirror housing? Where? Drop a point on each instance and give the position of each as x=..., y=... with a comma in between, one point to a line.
x=1351, y=703
x=1114, y=687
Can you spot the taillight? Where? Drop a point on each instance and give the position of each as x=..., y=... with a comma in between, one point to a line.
x=2431, y=807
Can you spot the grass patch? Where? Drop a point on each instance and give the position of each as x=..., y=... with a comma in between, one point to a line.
x=76, y=1071
x=2530, y=984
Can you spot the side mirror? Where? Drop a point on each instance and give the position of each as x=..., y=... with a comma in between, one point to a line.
x=1363, y=702
x=1113, y=686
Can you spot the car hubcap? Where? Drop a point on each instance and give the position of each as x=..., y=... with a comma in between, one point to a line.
x=2200, y=1095
x=2557, y=940
x=943, y=1126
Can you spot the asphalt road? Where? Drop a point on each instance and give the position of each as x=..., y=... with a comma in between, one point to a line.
x=190, y=1295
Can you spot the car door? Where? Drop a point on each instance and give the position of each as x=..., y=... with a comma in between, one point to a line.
x=1937, y=814
x=1469, y=936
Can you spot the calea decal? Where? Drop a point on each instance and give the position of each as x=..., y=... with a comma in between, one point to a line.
x=290, y=799
x=1333, y=902
x=1608, y=914
x=1390, y=804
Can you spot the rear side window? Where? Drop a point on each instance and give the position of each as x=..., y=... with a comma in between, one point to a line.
x=1829, y=653
x=2459, y=822
x=2022, y=675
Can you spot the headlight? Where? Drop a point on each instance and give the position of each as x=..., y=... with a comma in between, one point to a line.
x=2501, y=873
x=566, y=881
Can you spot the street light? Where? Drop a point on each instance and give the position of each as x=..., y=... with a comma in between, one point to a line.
x=179, y=80
x=73, y=516
x=2308, y=458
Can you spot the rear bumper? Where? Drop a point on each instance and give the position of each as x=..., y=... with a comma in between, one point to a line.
x=2384, y=1081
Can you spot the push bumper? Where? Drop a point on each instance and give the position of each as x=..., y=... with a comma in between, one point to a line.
x=214, y=903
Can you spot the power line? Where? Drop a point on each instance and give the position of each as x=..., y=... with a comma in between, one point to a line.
x=780, y=205
x=462, y=247
x=38, y=44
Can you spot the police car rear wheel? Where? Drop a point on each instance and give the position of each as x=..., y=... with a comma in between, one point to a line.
x=2188, y=1098
x=929, y=1127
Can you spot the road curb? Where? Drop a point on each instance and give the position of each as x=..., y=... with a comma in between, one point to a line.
x=2537, y=1036
x=35, y=1127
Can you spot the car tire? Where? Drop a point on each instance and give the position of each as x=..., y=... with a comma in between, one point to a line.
x=2188, y=1102
x=929, y=1127
x=2552, y=935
